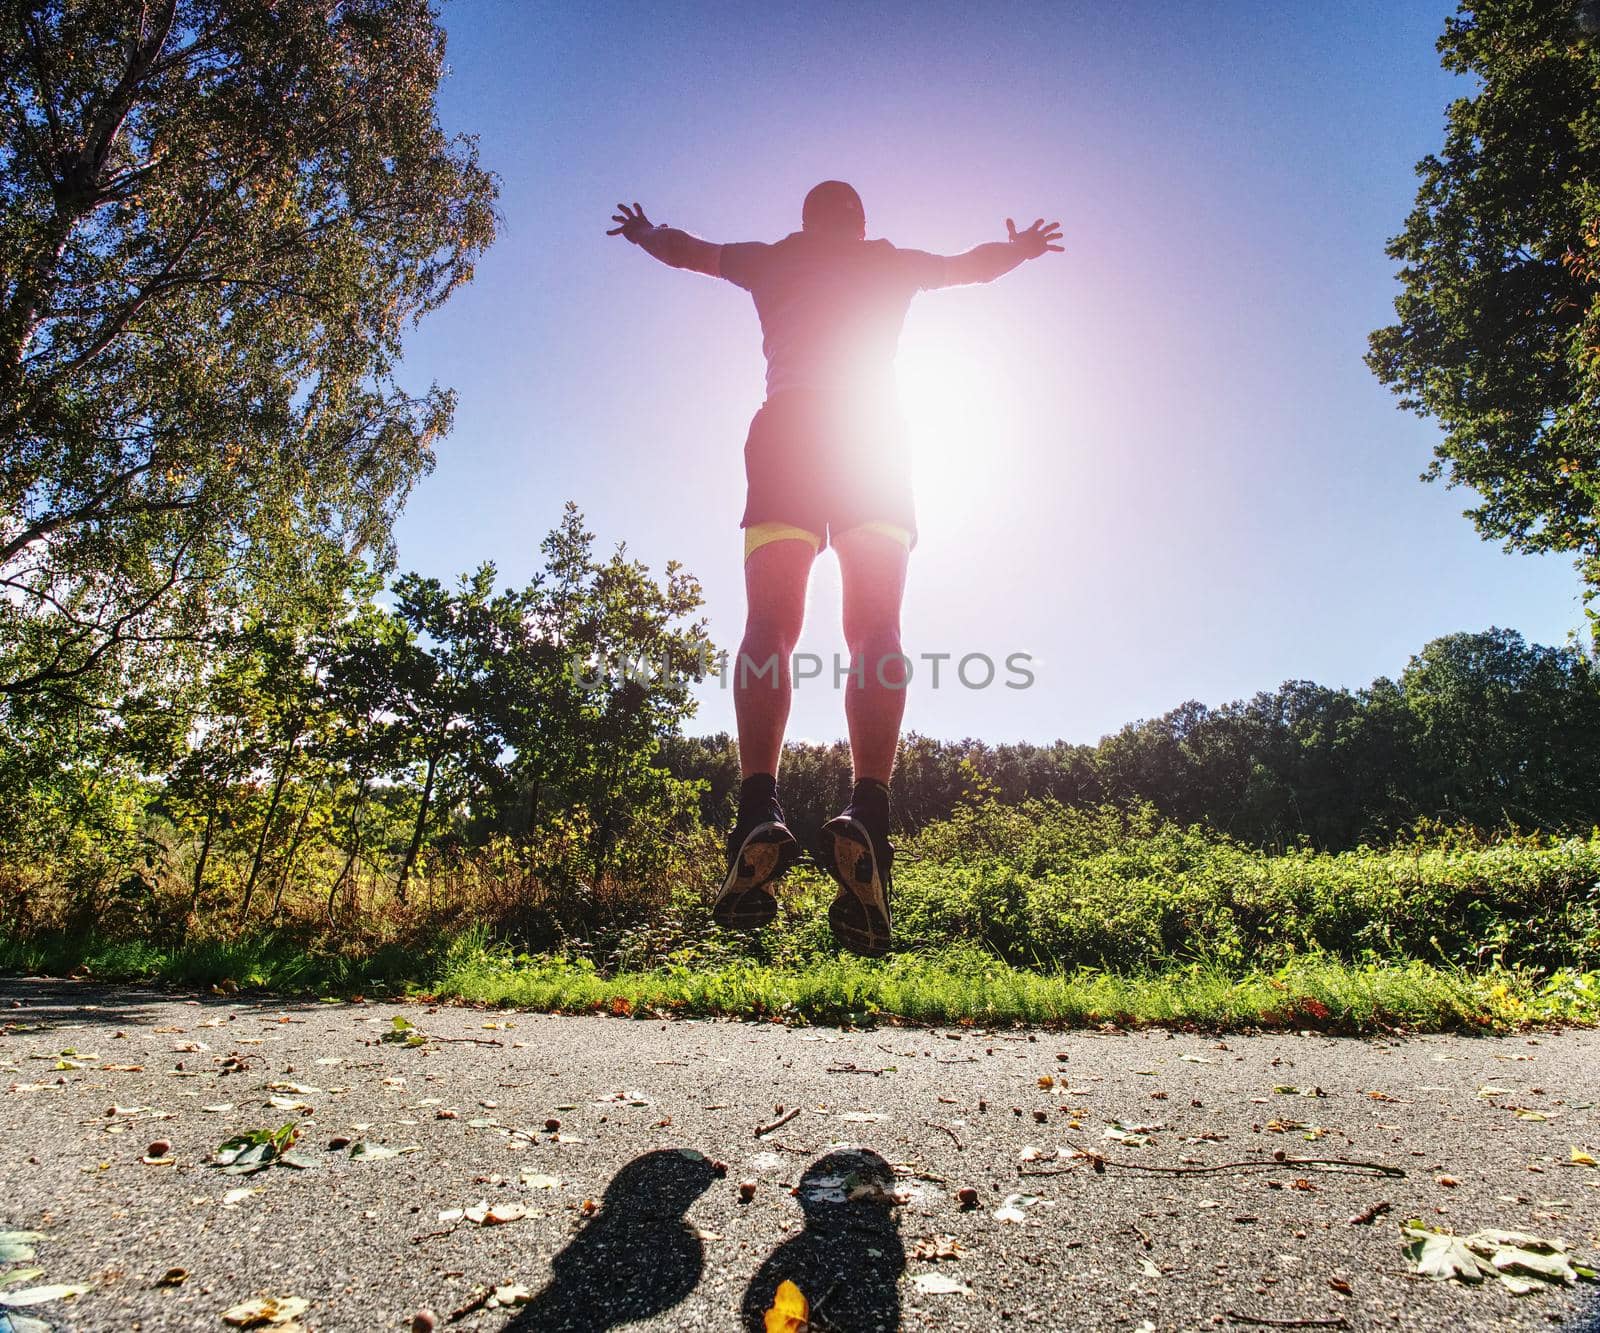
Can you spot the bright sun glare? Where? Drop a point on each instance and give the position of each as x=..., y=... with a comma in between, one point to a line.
x=953, y=406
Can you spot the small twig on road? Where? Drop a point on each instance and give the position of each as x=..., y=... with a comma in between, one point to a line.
x=779, y=1123
x=914, y=1172
x=853, y=1068
x=1338, y=1321
x=1334, y=1165
x=816, y=1308
x=473, y=1306
x=476, y=1041
x=954, y=1138
x=134, y=1119
x=1367, y=1216
x=432, y=1235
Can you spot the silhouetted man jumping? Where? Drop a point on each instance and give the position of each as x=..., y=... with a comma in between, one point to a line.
x=825, y=461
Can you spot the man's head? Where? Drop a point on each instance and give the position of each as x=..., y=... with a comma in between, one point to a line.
x=834, y=209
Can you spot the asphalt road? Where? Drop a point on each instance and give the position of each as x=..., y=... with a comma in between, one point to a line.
x=602, y=1142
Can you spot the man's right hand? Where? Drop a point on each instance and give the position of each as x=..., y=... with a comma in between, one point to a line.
x=1037, y=239
x=632, y=223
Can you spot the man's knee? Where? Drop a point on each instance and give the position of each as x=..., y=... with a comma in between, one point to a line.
x=863, y=634
x=878, y=655
x=766, y=634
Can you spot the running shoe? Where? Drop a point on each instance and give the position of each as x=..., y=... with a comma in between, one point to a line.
x=860, y=864
x=757, y=858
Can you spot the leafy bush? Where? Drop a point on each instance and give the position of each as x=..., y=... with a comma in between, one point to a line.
x=1039, y=883
x=1038, y=887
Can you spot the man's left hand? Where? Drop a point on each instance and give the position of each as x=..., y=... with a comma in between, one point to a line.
x=1037, y=238
x=632, y=223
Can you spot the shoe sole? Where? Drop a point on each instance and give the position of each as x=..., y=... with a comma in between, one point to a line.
x=859, y=915
x=746, y=900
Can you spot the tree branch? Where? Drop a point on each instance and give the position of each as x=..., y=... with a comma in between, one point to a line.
x=55, y=674
x=44, y=527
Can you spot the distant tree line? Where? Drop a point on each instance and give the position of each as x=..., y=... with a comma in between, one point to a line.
x=374, y=741
x=1482, y=729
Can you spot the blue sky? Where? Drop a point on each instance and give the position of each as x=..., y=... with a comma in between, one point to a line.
x=1155, y=463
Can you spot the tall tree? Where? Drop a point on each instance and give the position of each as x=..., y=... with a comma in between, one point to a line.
x=441, y=719
x=1507, y=732
x=217, y=218
x=1498, y=336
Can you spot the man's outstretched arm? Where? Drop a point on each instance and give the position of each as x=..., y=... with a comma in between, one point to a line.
x=985, y=263
x=667, y=244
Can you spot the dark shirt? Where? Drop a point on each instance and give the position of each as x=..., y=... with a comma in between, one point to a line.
x=831, y=308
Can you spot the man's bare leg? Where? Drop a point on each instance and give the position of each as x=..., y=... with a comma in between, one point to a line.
x=855, y=844
x=761, y=847
x=872, y=568
x=775, y=578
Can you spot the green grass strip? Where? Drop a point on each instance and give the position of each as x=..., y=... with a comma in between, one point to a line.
x=1319, y=994
x=1316, y=992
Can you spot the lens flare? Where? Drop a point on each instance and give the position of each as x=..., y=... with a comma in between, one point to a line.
x=954, y=408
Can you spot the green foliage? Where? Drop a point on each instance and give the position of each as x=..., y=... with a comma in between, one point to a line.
x=1128, y=892
x=1481, y=728
x=339, y=755
x=216, y=223
x=1498, y=335
x=1102, y=915
x=1314, y=992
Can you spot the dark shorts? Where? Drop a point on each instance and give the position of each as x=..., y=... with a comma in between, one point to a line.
x=820, y=464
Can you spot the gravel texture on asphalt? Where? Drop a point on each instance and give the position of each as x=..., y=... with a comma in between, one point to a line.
x=623, y=1161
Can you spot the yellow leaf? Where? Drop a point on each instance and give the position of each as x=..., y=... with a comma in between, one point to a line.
x=790, y=1312
x=1581, y=1158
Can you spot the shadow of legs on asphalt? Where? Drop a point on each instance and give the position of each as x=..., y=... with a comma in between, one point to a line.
x=849, y=1258
x=637, y=1257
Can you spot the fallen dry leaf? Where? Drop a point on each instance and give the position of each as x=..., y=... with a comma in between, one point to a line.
x=790, y=1312
x=60, y=1291
x=499, y=1214
x=937, y=1284
x=265, y=1310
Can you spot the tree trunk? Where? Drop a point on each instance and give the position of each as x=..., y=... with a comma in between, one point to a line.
x=417, y=832
x=355, y=848
x=266, y=823
x=288, y=856
x=200, y=862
